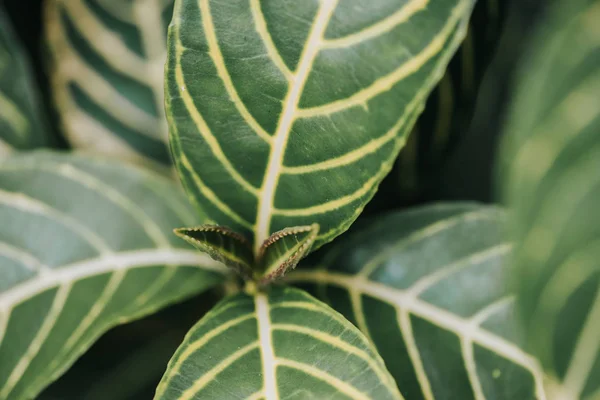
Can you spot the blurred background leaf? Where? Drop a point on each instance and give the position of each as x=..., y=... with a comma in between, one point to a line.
x=22, y=121
x=551, y=180
x=105, y=65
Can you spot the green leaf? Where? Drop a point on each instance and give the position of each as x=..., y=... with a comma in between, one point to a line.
x=284, y=249
x=221, y=244
x=84, y=245
x=551, y=171
x=284, y=344
x=106, y=71
x=427, y=287
x=21, y=119
x=290, y=113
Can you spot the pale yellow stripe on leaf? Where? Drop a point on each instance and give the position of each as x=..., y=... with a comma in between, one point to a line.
x=5, y=149
x=587, y=346
x=151, y=228
x=338, y=384
x=267, y=351
x=102, y=92
x=446, y=271
x=107, y=263
x=26, y=259
x=11, y=114
x=369, y=148
x=265, y=35
x=256, y=396
x=22, y=202
x=103, y=40
x=209, y=376
x=49, y=322
x=200, y=123
x=111, y=287
x=466, y=346
x=359, y=313
x=387, y=24
x=405, y=326
x=286, y=120
x=219, y=63
x=4, y=317
x=440, y=317
x=338, y=203
x=209, y=194
x=201, y=342
x=163, y=279
x=310, y=306
x=148, y=16
x=422, y=234
x=385, y=83
x=335, y=341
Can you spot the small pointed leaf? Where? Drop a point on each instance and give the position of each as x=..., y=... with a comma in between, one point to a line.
x=222, y=244
x=284, y=249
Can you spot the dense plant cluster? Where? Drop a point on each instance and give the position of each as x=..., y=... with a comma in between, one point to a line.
x=204, y=149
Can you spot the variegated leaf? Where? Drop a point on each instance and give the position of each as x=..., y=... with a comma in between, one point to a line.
x=428, y=288
x=106, y=69
x=84, y=245
x=280, y=345
x=289, y=113
x=552, y=182
x=21, y=119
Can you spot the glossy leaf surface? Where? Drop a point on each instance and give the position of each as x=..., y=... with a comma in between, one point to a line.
x=552, y=183
x=282, y=345
x=289, y=113
x=84, y=245
x=427, y=287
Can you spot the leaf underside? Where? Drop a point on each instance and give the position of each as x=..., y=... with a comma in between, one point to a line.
x=264, y=138
x=84, y=246
x=551, y=179
x=427, y=287
x=279, y=345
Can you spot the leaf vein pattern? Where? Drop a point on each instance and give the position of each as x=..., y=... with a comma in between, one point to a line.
x=219, y=62
x=379, y=28
x=261, y=28
x=286, y=120
x=387, y=82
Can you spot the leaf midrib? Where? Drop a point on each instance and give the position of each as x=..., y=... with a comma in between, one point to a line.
x=286, y=120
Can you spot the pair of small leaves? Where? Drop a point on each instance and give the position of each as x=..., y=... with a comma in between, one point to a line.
x=279, y=253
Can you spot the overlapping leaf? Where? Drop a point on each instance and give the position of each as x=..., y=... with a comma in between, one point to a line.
x=288, y=113
x=280, y=345
x=107, y=63
x=84, y=245
x=552, y=182
x=21, y=120
x=427, y=287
